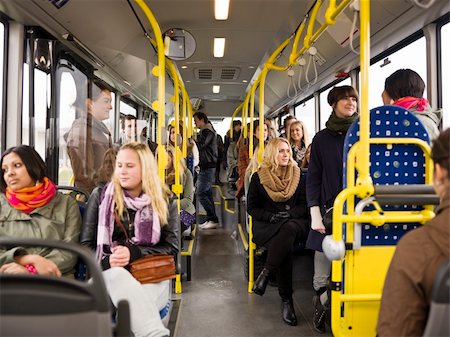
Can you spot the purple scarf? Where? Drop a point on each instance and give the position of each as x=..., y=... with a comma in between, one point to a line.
x=147, y=229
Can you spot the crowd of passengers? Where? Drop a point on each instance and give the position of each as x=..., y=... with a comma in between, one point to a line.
x=288, y=195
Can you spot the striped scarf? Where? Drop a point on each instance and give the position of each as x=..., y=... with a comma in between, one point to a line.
x=29, y=198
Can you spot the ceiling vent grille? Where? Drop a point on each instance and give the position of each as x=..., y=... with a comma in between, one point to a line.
x=204, y=74
x=228, y=74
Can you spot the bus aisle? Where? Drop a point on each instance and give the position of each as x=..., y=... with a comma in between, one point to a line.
x=216, y=302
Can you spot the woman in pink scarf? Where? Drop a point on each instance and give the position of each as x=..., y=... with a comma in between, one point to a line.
x=405, y=88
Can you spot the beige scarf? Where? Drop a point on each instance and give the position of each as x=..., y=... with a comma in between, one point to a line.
x=281, y=184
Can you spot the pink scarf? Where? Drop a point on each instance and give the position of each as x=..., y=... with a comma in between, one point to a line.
x=147, y=228
x=409, y=102
x=28, y=199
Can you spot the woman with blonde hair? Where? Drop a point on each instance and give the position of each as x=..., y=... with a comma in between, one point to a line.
x=187, y=208
x=298, y=138
x=279, y=216
x=137, y=202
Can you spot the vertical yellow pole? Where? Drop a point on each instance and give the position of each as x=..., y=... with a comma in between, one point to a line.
x=183, y=118
x=261, y=113
x=159, y=71
x=363, y=157
x=252, y=115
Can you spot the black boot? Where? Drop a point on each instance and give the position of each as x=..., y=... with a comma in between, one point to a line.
x=259, y=288
x=288, y=312
x=319, y=315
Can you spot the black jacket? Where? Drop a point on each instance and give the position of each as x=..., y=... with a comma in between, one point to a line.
x=261, y=208
x=207, y=147
x=168, y=243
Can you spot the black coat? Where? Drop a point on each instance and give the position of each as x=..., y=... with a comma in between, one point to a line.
x=168, y=242
x=261, y=207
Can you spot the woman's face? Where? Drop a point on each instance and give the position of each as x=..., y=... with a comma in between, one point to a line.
x=266, y=132
x=15, y=173
x=129, y=171
x=345, y=107
x=172, y=135
x=296, y=133
x=284, y=154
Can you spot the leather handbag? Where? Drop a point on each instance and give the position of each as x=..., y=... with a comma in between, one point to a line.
x=150, y=268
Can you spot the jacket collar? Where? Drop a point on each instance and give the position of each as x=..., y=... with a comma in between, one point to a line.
x=10, y=213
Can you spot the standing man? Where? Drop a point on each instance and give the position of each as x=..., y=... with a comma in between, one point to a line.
x=88, y=139
x=207, y=147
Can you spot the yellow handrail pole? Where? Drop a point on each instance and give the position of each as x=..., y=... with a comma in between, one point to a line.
x=183, y=117
x=190, y=114
x=294, y=56
x=158, y=71
x=312, y=20
x=364, y=178
x=252, y=116
x=329, y=13
x=245, y=114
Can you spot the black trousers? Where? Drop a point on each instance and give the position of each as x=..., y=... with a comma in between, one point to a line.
x=280, y=256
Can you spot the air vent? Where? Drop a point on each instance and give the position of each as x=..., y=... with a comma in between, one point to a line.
x=217, y=73
x=204, y=74
x=228, y=74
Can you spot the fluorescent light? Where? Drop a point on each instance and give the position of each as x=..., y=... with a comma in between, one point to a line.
x=244, y=81
x=183, y=67
x=221, y=9
x=216, y=89
x=219, y=46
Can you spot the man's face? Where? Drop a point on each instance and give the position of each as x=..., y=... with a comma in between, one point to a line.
x=199, y=122
x=130, y=128
x=101, y=107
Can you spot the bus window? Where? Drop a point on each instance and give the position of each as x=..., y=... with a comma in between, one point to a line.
x=41, y=99
x=412, y=56
x=325, y=109
x=306, y=112
x=2, y=53
x=67, y=114
x=445, y=69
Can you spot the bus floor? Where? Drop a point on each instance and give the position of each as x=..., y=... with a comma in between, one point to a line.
x=216, y=302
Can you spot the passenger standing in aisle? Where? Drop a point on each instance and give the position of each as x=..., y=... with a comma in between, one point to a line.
x=88, y=139
x=408, y=287
x=324, y=183
x=207, y=146
x=279, y=213
x=137, y=199
x=298, y=138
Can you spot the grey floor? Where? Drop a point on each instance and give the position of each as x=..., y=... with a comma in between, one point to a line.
x=216, y=302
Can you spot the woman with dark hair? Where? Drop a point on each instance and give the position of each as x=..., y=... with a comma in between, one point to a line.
x=405, y=88
x=279, y=216
x=31, y=207
x=407, y=292
x=324, y=183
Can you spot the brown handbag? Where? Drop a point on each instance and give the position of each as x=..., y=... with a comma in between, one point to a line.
x=150, y=268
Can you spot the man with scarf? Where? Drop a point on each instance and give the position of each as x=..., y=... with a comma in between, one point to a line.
x=323, y=185
x=277, y=205
x=405, y=88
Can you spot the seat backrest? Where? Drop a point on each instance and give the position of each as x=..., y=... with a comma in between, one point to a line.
x=438, y=323
x=397, y=164
x=37, y=305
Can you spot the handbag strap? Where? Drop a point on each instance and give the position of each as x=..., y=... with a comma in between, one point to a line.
x=117, y=218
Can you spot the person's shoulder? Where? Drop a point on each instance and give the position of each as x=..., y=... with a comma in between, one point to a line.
x=407, y=246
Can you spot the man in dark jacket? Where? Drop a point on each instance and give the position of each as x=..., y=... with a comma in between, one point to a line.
x=207, y=147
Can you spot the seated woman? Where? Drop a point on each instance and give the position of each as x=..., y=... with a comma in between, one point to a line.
x=405, y=88
x=193, y=156
x=279, y=216
x=298, y=138
x=137, y=198
x=187, y=208
x=31, y=207
x=408, y=288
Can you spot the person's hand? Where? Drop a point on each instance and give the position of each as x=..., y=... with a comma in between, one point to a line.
x=13, y=268
x=43, y=265
x=316, y=220
x=120, y=256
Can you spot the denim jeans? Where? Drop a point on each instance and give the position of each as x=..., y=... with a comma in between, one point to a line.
x=204, y=192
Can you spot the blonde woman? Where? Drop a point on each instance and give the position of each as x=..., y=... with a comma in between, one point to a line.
x=298, y=138
x=137, y=198
x=187, y=208
x=278, y=207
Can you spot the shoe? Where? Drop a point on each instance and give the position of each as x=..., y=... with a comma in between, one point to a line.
x=209, y=225
x=319, y=315
x=259, y=288
x=203, y=224
x=288, y=312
